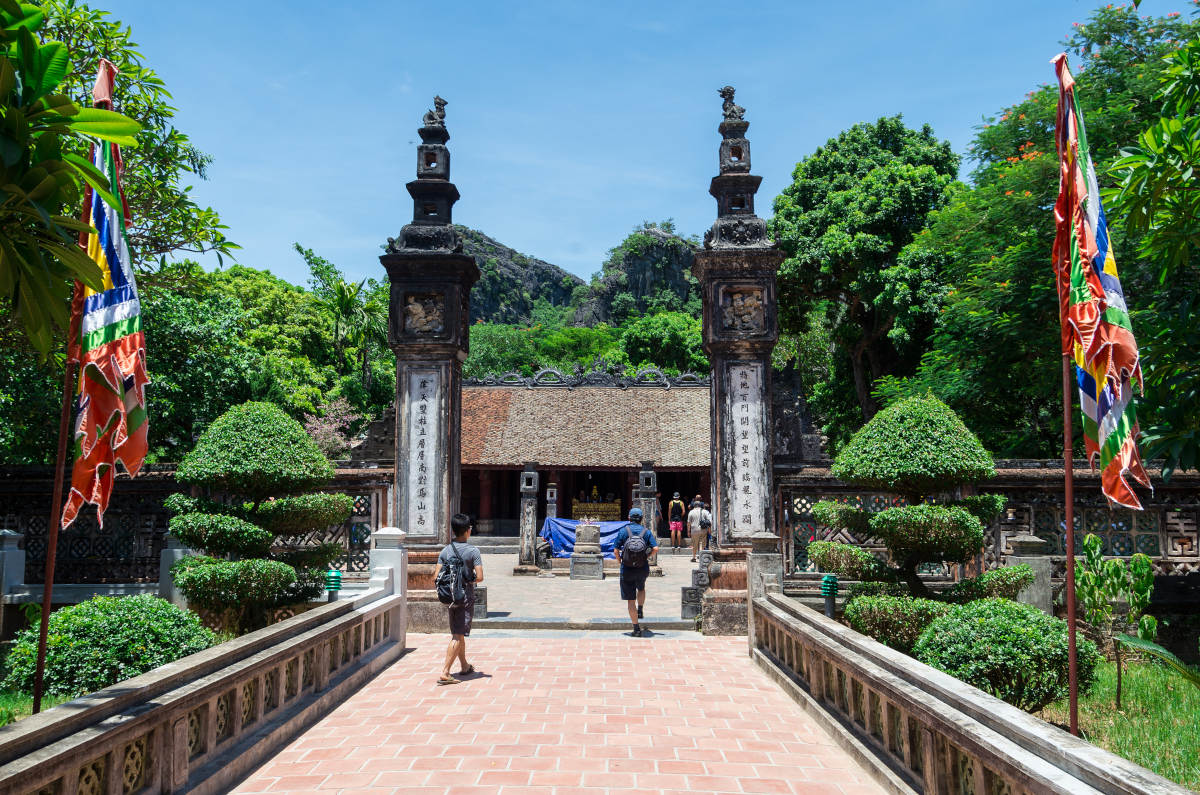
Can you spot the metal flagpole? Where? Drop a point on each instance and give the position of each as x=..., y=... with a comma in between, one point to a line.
x=1069, y=515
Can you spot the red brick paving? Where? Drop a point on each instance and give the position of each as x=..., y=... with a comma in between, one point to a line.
x=558, y=716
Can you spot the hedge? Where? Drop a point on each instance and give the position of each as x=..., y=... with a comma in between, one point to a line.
x=895, y=621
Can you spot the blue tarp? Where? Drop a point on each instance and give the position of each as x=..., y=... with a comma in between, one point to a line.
x=561, y=535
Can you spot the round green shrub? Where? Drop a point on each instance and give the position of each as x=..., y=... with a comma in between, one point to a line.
x=219, y=534
x=289, y=516
x=841, y=516
x=103, y=641
x=1004, y=583
x=984, y=507
x=895, y=621
x=928, y=533
x=1013, y=651
x=914, y=447
x=220, y=584
x=255, y=450
x=876, y=588
x=844, y=560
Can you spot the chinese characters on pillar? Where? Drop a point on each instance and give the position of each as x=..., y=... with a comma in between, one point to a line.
x=746, y=503
x=424, y=440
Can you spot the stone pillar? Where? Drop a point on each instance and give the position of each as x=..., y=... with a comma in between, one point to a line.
x=552, y=498
x=1031, y=550
x=736, y=270
x=428, y=328
x=171, y=554
x=646, y=489
x=527, y=557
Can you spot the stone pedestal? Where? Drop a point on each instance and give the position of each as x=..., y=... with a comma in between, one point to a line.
x=723, y=607
x=764, y=566
x=171, y=554
x=1029, y=549
x=587, y=562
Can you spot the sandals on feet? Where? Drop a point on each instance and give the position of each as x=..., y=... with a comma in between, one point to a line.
x=470, y=669
x=448, y=680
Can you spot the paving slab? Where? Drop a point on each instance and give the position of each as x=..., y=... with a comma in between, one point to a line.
x=558, y=712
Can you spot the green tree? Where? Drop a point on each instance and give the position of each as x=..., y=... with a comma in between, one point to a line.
x=42, y=175
x=994, y=356
x=851, y=208
x=669, y=340
x=498, y=348
x=166, y=218
x=254, y=468
x=1158, y=198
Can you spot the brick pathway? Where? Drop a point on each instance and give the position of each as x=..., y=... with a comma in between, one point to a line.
x=556, y=715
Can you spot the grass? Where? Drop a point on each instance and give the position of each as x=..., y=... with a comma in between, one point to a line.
x=1158, y=726
x=21, y=704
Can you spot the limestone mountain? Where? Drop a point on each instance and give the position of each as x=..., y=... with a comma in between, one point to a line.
x=650, y=271
x=510, y=282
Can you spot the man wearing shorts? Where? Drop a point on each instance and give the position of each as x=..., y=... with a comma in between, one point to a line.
x=675, y=512
x=633, y=578
x=460, y=615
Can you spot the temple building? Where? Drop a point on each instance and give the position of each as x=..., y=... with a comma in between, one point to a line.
x=587, y=436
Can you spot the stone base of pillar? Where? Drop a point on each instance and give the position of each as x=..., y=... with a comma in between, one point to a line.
x=723, y=608
x=1039, y=592
x=427, y=614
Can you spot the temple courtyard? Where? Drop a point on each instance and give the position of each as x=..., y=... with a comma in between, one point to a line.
x=558, y=712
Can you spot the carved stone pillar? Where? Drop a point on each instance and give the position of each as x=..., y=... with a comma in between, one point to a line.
x=429, y=311
x=527, y=557
x=487, y=513
x=552, y=497
x=736, y=271
x=647, y=487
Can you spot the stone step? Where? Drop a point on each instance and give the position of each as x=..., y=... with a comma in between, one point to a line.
x=614, y=624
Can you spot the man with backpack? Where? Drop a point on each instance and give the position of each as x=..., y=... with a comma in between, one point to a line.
x=459, y=569
x=635, y=548
x=699, y=522
x=675, y=512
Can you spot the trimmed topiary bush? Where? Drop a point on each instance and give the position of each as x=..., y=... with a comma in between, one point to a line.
x=915, y=534
x=836, y=514
x=1005, y=583
x=984, y=507
x=214, y=584
x=221, y=534
x=1013, y=651
x=844, y=560
x=895, y=621
x=914, y=447
x=103, y=641
x=249, y=465
x=876, y=588
x=255, y=450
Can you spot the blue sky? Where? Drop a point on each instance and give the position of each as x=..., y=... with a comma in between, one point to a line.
x=571, y=122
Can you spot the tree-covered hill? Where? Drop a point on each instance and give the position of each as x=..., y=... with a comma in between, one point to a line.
x=510, y=283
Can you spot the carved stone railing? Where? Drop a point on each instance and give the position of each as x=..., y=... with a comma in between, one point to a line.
x=203, y=722
x=921, y=730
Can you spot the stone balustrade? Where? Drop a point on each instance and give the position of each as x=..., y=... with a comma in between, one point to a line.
x=919, y=729
x=201, y=723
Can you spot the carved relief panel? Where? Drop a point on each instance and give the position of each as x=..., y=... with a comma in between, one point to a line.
x=742, y=310
x=424, y=314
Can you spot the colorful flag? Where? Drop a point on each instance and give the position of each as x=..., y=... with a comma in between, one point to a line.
x=107, y=341
x=1096, y=330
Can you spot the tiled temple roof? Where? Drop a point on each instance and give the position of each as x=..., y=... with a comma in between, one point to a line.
x=585, y=426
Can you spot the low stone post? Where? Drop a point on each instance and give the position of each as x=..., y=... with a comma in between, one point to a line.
x=647, y=486
x=552, y=500
x=587, y=562
x=1030, y=550
x=764, y=565
x=527, y=557
x=389, y=567
x=171, y=554
x=12, y=568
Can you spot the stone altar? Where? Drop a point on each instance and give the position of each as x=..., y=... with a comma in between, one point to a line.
x=587, y=562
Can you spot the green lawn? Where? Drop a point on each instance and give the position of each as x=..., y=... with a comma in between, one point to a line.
x=1158, y=726
x=22, y=703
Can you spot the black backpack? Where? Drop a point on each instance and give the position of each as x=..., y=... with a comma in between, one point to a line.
x=450, y=588
x=636, y=552
x=705, y=521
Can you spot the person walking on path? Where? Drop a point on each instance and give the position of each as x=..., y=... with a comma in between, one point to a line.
x=675, y=511
x=635, y=548
x=459, y=553
x=698, y=521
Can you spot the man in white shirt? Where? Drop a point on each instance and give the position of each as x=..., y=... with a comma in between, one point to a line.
x=698, y=521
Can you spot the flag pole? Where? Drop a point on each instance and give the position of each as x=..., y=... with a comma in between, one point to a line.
x=55, y=512
x=1069, y=516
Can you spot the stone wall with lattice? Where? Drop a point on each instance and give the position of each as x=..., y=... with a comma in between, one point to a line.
x=126, y=548
x=1166, y=530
